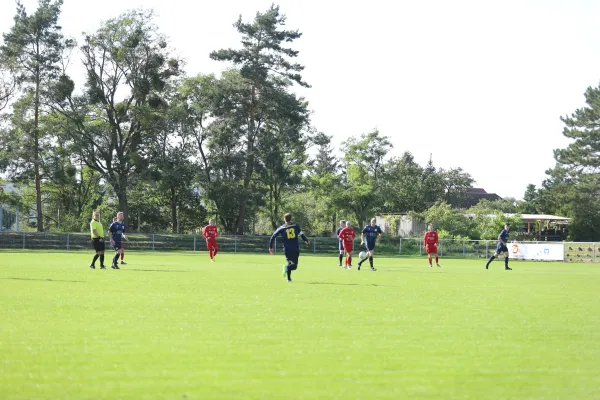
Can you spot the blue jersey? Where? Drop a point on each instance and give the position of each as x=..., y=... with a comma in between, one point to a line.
x=338, y=233
x=371, y=233
x=504, y=236
x=117, y=228
x=289, y=234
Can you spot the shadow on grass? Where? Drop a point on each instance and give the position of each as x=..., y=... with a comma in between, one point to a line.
x=40, y=280
x=153, y=270
x=344, y=284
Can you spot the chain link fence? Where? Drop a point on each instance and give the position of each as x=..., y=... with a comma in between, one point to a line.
x=574, y=251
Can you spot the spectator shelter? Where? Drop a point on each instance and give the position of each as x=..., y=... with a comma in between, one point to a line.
x=546, y=227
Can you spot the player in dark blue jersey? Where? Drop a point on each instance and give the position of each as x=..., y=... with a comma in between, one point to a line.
x=340, y=244
x=289, y=233
x=116, y=234
x=369, y=236
x=501, y=248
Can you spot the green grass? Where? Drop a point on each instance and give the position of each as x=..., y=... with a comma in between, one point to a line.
x=175, y=326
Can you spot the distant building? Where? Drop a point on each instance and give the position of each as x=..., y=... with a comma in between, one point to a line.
x=402, y=225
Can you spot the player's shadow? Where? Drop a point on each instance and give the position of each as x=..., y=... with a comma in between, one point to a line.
x=344, y=284
x=42, y=280
x=153, y=270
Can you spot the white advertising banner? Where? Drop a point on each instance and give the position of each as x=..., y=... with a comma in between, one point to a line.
x=537, y=251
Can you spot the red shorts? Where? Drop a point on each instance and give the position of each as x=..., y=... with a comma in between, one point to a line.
x=211, y=243
x=348, y=246
x=431, y=249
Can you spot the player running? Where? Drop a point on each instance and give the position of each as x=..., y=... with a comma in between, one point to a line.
x=210, y=232
x=289, y=233
x=369, y=236
x=501, y=248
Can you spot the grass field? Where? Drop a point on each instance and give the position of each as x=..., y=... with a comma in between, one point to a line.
x=175, y=326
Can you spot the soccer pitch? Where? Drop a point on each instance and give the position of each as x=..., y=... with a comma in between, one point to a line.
x=175, y=326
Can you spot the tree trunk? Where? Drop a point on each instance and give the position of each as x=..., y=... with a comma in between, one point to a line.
x=36, y=155
x=173, y=210
x=121, y=190
x=249, y=165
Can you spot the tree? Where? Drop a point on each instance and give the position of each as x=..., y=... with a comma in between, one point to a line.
x=456, y=183
x=432, y=184
x=282, y=150
x=531, y=201
x=8, y=83
x=402, y=189
x=364, y=162
x=128, y=72
x=452, y=222
x=34, y=48
x=324, y=180
x=264, y=64
x=575, y=181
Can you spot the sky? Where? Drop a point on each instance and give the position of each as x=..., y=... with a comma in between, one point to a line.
x=479, y=85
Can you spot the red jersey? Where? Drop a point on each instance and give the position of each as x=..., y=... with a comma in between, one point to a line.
x=210, y=232
x=347, y=234
x=430, y=238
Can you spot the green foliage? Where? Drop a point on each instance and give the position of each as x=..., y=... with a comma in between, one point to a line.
x=267, y=72
x=113, y=126
x=572, y=187
x=448, y=219
x=33, y=50
x=362, y=182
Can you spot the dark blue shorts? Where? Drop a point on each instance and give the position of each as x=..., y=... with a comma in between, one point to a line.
x=501, y=248
x=340, y=246
x=292, y=255
x=117, y=245
x=369, y=246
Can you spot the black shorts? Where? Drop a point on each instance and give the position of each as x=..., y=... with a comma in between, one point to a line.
x=98, y=244
x=501, y=248
x=292, y=255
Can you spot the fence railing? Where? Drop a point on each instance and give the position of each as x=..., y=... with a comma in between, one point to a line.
x=574, y=251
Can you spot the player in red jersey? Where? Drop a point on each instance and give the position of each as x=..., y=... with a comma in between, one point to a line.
x=347, y=236
x=430, y=241
x=210, y=232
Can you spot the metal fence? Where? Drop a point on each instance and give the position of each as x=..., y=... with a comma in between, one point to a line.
x=574, y=251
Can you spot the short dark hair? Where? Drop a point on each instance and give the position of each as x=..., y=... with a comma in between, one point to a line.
x=287, y=217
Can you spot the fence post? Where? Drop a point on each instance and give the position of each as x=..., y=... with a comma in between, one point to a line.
x=315, y=245
x=68, y=239
x=23, y=240
x=235, y=244
x=441, y=248
x=420, y=248
x=464, y=248
x=400, y=250
x=593, y=252
x=486, y=248
x=153, y=241
x=194, y=243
